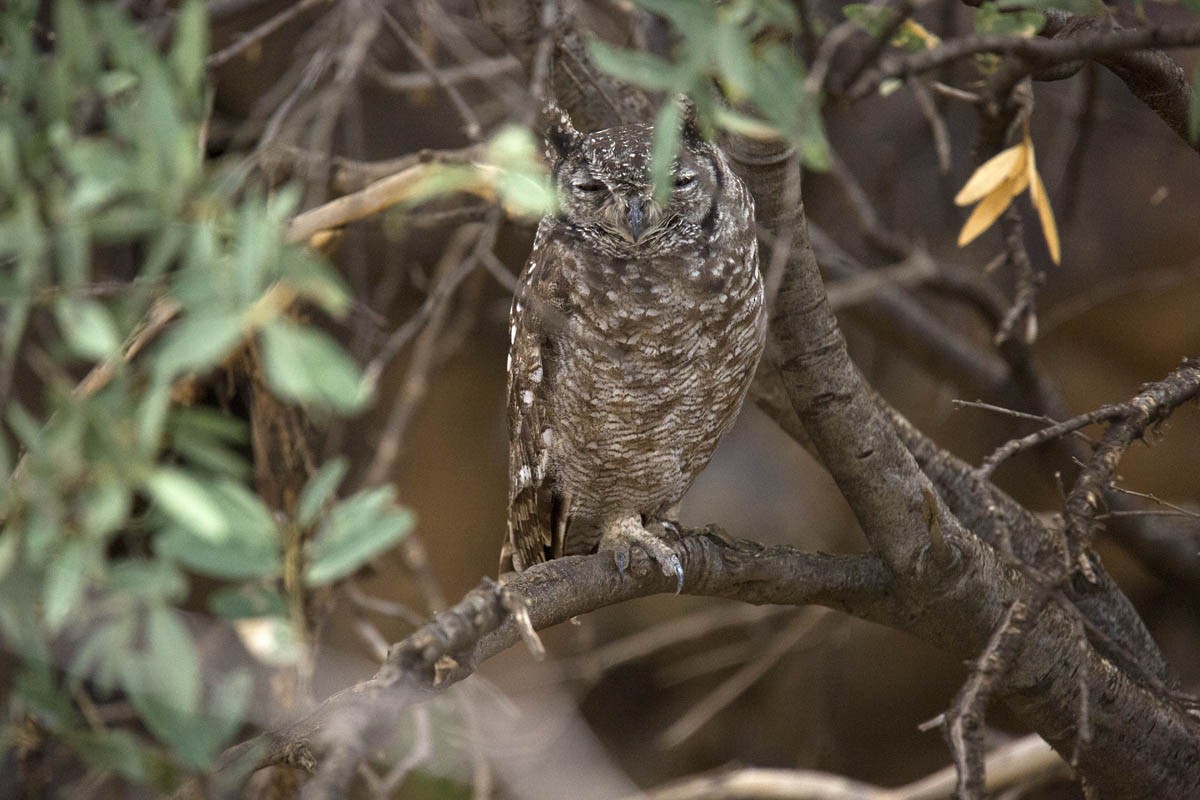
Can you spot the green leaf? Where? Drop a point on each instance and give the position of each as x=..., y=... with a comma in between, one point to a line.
x=305, y=366
x=315, y=281
x=233, y=560
x=247, y=602
x=75, y=40
x=664, y=150
x=172, y=660
x=163, y=682
x=247, y=518
x=736, y=61
x=10, y=161
x=210, y=423
x=26, y=427
x=152, y=416
x=198, y=343
x=65, y=582
x=190, y=46
x=227, y=709
x=320, y=488
x=9, y=549
x=116, y=82
x=147, y=579
x=185, y=500
x=356, y=530
x=88, y=328
x=256, y=251
x=6, y=470
x=202, y=436
x=111, y=750
x=872, y=19
x=37, y=687
x=637, y=67
x=522, y=181
x=72, y=253
x=102, y=656
x=990, y=18
x=105, y=507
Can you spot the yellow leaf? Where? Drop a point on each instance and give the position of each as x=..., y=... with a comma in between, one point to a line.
x=1041, y=201
x=1003, y=166
x=918, y=30
x=991, y=207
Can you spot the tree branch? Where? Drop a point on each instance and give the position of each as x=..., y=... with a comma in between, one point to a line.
x=348, y=726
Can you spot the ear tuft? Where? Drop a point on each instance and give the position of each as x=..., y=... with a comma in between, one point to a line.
x=560, y=135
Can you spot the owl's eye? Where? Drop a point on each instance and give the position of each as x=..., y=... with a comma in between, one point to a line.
x=588, y=187
x=682, y=181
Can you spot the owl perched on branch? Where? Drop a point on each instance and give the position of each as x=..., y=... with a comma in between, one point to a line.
x=636, y=328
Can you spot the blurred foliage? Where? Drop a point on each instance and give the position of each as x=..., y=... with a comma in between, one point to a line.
x=510, y=172
x=745, y=47
x=117, y=494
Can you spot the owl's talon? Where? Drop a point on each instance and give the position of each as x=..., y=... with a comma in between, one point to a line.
x=625, y=533
x=673, y=566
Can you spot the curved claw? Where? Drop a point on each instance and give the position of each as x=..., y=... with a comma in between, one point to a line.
x=672, y=566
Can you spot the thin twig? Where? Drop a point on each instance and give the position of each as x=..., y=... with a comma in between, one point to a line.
x=259, y=32
x=1021, y=764
x=471, y=126
x=1014, y=446
x=736, y=685
x=481, y=70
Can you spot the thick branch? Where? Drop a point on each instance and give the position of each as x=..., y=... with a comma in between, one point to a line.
x=957, y=606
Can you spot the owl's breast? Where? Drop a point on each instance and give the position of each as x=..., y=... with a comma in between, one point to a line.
x=652, y=368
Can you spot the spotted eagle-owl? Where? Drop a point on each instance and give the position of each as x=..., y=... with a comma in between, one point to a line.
x=636, y=328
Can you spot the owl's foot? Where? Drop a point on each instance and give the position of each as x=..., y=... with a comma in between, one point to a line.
x=628, y=531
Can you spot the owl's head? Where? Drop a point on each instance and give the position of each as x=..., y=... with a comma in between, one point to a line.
x=604, y=183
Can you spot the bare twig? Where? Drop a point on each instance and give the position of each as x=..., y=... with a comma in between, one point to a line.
x=1153, y=404
x=383, y=193
x=1057, y=429
x=455, y=264
x=1022, y=764
x=483, y=69
x=964, y=724
x=471, y=126
x=1037, y=52
x=259, y=32
x=600, y=660
x=740, y=681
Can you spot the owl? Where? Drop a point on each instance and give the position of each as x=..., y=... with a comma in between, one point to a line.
x=636, y=328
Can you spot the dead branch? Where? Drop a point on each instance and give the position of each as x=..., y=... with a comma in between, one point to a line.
x=1154, y=404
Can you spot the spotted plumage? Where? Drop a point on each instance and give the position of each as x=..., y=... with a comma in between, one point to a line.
x=635, y=331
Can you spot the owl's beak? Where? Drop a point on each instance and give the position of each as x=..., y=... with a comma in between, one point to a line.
x=636, y=217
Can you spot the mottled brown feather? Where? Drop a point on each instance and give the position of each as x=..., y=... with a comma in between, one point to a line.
x=630, y=354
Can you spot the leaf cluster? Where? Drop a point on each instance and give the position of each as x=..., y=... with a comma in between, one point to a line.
x=115, y=494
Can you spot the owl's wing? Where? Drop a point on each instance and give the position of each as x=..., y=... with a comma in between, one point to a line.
x=536, y=514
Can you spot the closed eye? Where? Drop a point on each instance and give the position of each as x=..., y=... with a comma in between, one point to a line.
x=589, y=187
